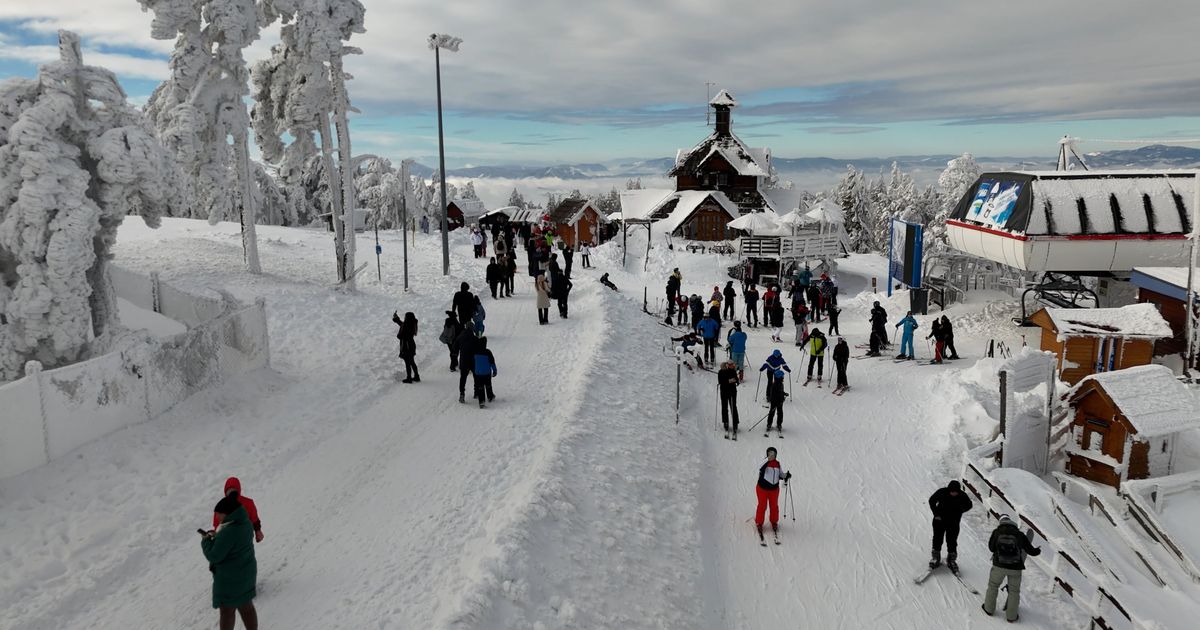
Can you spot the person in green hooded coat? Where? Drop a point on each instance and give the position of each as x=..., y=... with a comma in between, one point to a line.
x=230, y=553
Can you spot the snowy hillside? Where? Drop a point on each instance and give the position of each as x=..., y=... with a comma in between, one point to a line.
x=573, y=501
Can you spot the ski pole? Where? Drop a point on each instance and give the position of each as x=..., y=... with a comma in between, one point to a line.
x=757, y=386
x=717, y=411
x=786, y=490
x=792, y=500
x=759, y=421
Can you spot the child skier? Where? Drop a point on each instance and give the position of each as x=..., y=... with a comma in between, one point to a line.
x=767, y=491
x=800, y=319
x=775, y=398
x=939, y=340
x=485, y=369
x=906, y=339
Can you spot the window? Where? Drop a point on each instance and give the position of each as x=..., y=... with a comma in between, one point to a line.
x=1093, y=440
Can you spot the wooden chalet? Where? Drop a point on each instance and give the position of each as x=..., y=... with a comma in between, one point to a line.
x=460, y=212
x=499, y=216
x=576, y=221
x=716, y=181
x=1095, y=340
x=1127, y=424
x=1166, y=289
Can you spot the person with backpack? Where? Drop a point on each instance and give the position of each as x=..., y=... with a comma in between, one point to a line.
x=233, y=488
x=1009, y=546
x=464, y=304
x=766, y=490
x=467, y=342
x=229, y=550
x=906, y=339
x=841, y=360
x=776, y=312
x=542, y=286
x=948, y=505
x=408, y=345
x=709, y=329
x=728, y=310
x=948, y=335
x=484, y=368
x=776, y=394
x=727, y=383
x=769, y=298
x=478, y=317
x=737, y=349
x=816, y=355
x=939, y=340
x=750, y=296
x=450, y=331
x=492, y=275
x=800, y=319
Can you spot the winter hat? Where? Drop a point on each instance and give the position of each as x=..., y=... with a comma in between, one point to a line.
x=777, y=353
x=771, y=449
x=1004, y=518
x=954, y=485
x=779, y=374
x=227, y=505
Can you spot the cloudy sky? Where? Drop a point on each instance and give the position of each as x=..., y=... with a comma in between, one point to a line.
x=543, y=82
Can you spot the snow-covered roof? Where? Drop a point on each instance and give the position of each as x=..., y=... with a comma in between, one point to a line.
x=723, y=98
x=1134, y=320
x=508, y=210
x=1150, y=397
x=689, y=200
x=745, y=160
x=638, y=205
x=471, y=208
x=1174, y=276
x=1065, y=203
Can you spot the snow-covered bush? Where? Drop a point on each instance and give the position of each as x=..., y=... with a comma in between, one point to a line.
x=75, y=159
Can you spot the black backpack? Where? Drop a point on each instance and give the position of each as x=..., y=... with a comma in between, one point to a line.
x=1008, y=547
x=447, y=336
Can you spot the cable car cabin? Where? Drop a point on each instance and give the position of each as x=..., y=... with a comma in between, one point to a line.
x=1127, y=423
x=1095, y=340
x=1076, y=222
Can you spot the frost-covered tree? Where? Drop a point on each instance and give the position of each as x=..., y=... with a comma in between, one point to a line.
x=633, y=184
x=850, y=195
x=75, y=159
x=515, y=198
x=960, y=173
x=199, y=111
x=468, y=191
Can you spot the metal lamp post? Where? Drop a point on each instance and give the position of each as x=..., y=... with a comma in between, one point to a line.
x=437, y=43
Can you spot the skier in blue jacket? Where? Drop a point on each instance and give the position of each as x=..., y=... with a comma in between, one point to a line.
x=709, y=329
x=485, y=369
x=737, y=349
x=773, y=365
x=906, y=338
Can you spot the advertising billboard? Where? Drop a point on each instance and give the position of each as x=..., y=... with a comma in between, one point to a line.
x=904, y=253
x=994, y=202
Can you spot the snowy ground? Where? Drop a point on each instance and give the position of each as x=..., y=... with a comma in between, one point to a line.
x=574, y=501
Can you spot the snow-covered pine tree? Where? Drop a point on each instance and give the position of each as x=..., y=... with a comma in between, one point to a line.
x=850, y=195
x=375, y=187
x=633, y=184
x=75, y=159
x=468, y=191
x=515, y=198
x=199, y=111
x=960, y=173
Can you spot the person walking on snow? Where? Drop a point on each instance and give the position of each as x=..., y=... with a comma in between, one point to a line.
x=816, y=355
x=948, y=505
x=776, y=394
x=906, y=339
x=697, y=308
x=585, y=252
x=776, y=313
x=939, y=340
x=229, y=550
x=948, y=335
x=1009, y=547
x=727, y=382
x=800, y=319
x=467, y=342
x=464, y=304
x=774, y=364
x=751, y=298
x=477, y=241
x=737, y=349
x=709, y=329
x=568, y=257
x=841, y=359
x=815, y=303
x=832, y=313
x=492, y=275
x=543, y=299
x=233, y=488
x=510, y=274
x=673, y=281
x=478, y=317
x=728, y=310
x=766, y=489
x=485, y=369
x=408, y=345
x=451, y=329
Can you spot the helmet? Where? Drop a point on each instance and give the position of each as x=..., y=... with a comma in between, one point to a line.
x=777, y=353
x=778, y=373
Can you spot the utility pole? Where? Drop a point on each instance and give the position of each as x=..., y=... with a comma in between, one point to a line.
x=437, y=43
x=406, y=181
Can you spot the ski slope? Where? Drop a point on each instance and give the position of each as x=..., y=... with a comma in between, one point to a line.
x=573, y=501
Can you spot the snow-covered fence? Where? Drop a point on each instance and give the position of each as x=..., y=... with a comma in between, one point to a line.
x=50, y=413
x=1145, y=498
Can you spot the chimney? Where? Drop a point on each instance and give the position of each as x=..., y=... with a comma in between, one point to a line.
x=723, y=104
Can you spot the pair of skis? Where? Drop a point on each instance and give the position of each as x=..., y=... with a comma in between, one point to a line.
x=778, y=432
x=838, y=391
x=809, y=381
x=928, y=572
x=762, y=539
x=730, y=435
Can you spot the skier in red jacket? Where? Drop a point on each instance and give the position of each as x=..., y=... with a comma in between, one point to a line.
x=234, y=486
x=767, y=489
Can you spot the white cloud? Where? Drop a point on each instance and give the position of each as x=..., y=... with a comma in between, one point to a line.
x=126, y=66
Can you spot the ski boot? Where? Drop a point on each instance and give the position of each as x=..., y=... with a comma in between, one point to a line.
x=462, y=398
x=951, y=562
x=936, y=560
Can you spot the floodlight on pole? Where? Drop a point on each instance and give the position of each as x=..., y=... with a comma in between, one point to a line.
x=436, y=43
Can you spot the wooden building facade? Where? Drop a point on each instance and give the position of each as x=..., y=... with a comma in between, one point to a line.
x=1096, y=340
x=578, y=221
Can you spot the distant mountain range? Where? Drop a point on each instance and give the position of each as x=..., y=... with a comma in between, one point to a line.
x=1151, y=156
